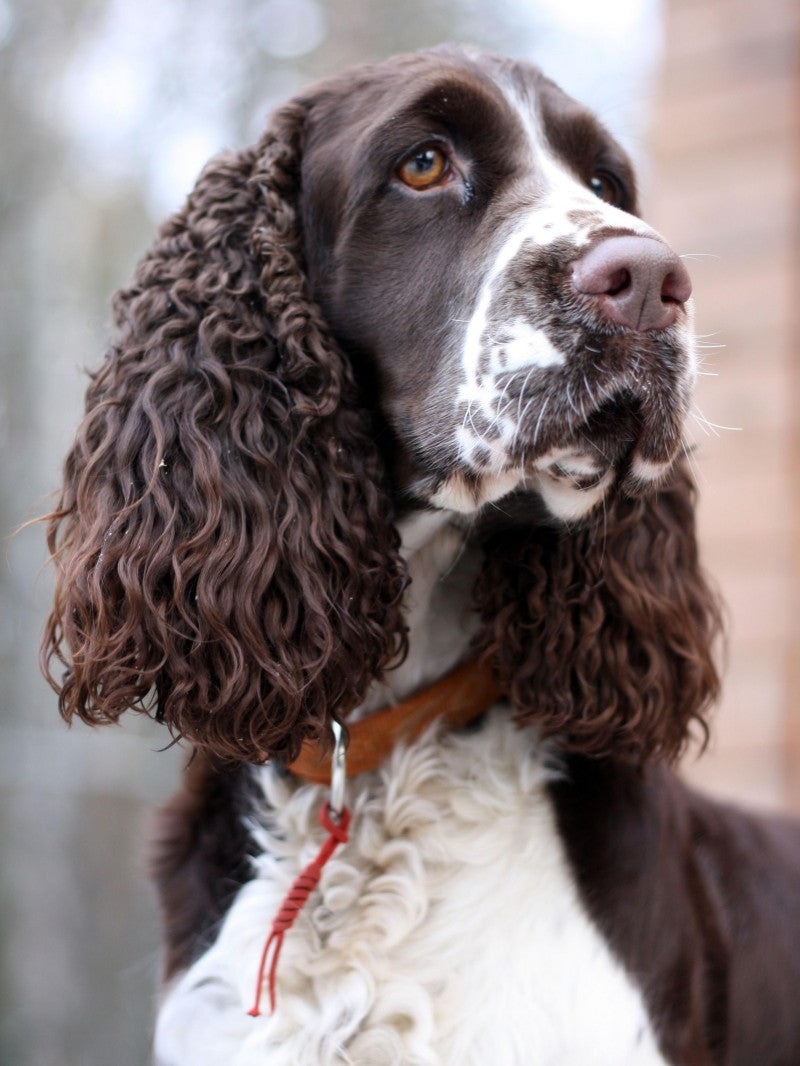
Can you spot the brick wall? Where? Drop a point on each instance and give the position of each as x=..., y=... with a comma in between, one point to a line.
x=725, y=187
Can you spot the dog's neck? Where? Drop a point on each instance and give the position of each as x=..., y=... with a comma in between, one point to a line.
x=441, y=625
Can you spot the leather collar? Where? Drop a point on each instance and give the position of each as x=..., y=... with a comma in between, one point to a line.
x=455, y=700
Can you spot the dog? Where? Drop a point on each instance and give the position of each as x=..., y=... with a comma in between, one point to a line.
x=381, y=505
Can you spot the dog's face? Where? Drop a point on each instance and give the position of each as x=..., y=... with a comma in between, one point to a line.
x=472, y=239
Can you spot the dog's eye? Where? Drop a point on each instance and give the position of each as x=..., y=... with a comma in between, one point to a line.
x=424, y=168
x=606, y=188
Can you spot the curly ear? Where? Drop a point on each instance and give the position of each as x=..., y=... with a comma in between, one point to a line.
x=604, y=635
x=224, y=546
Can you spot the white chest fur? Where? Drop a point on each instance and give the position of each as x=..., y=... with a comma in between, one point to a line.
x=448, y=932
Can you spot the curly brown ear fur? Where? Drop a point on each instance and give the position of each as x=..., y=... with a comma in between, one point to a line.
x=224, y=548
x=604, y=635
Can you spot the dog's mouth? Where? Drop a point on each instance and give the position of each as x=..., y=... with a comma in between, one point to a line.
x=626, y=443
x=608, y=414
x=566, y=454
x=585, y=454
x=589, y=422
x=600, y=456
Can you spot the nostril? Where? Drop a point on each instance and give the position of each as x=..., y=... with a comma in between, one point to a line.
x=618, y=282
x=676, y=287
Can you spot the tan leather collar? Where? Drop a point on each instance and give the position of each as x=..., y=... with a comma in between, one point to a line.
x=456, y=700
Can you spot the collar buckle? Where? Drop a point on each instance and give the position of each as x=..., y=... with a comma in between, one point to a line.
x=338, y=772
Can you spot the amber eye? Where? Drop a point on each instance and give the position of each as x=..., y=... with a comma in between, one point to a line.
x=606, y=188
x=424, y=168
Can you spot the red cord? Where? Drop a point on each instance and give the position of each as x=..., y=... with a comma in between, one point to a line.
x=302, y=887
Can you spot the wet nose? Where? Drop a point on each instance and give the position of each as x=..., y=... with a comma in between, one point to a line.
x=638, y=281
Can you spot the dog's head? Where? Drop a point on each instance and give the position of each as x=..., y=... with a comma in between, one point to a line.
x=472, y=239
x=426, y=286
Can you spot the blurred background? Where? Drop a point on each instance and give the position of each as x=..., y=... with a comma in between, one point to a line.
x=108, y=108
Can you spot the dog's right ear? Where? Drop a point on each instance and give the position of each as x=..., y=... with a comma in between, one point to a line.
x=224, y=546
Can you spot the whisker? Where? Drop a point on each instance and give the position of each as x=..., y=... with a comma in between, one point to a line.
x=524, y=413
x=539, y=421
x=604, y=533
x=698, y=415
x=499, y=410
x=697, y=472
x=461, y=549
x=482, y=440
x=521, y=397
x=571, y=402
x=595, y=445
x=592, y=400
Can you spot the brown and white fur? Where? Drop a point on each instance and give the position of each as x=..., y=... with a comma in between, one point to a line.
x=401, y=385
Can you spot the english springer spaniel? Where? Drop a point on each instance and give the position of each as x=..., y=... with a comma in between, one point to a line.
x=391, y=437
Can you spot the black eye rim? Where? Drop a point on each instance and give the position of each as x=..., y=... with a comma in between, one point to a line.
x=604, y=180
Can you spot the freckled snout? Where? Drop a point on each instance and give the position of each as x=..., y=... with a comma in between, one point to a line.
x=639, y=282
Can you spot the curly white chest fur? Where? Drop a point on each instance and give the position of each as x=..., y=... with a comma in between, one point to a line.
x=448, y=932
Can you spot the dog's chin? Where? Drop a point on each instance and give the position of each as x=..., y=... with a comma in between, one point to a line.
x=562, y=488
x=568, y=486
x=520, y=509
x=567, y=483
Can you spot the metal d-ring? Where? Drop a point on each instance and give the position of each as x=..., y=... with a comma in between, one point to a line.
x=338, y=771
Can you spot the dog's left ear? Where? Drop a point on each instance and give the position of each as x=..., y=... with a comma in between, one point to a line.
x=224, y=546
x=604, y=636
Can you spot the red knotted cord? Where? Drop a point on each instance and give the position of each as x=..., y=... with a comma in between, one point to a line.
x=296, y=898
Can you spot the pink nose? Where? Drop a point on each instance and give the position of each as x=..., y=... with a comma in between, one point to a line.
x=640, y=282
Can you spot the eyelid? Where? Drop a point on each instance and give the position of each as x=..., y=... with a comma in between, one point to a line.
x=433, y=140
